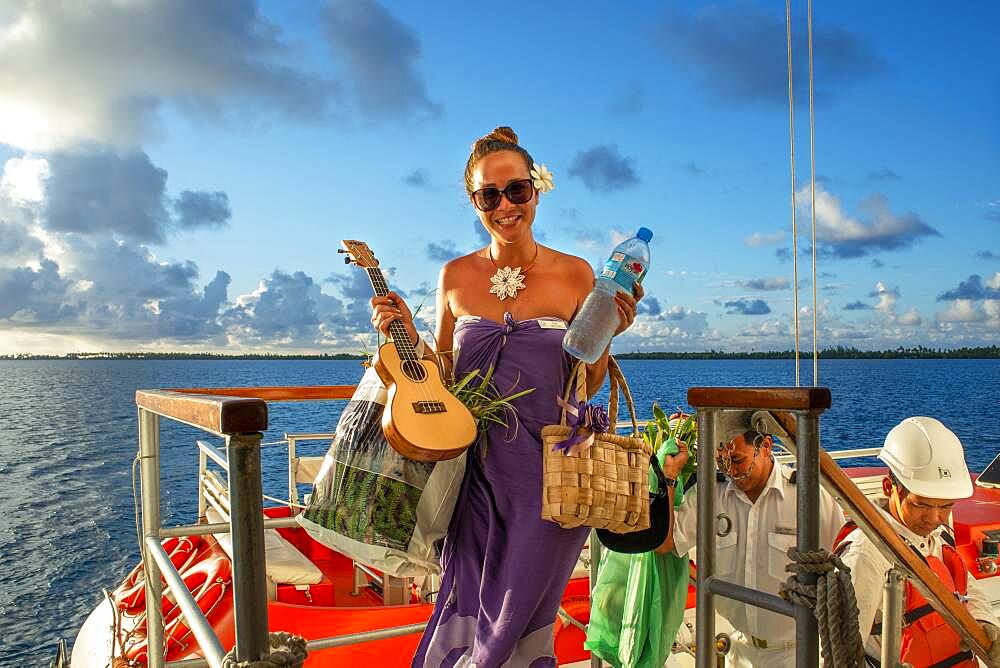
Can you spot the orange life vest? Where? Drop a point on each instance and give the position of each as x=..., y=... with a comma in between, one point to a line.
x=928, y=640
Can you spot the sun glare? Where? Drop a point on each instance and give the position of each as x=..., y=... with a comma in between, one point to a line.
x=25, y=125
x=23, y=179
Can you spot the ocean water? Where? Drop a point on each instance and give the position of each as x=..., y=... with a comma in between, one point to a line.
x=68, y=438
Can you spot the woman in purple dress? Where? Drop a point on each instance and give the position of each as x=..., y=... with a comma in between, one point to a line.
x=505, y=307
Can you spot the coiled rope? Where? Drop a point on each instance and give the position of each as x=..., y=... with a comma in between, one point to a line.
x=832, y=601
x=286, y=650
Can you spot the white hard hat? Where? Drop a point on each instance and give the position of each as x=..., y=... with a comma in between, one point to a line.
x=927, y=459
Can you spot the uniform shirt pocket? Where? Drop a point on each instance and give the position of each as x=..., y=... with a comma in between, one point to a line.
x=777, y=554
x=725, y=554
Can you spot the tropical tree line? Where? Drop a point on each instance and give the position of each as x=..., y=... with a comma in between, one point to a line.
x=838, y=352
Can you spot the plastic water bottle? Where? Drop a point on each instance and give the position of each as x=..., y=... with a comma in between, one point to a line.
x=595, y=324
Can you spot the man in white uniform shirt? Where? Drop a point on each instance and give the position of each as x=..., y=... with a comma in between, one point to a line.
x=755, y=526
x=927, y=474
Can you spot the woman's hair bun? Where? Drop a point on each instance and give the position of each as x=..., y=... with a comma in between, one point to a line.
x=502, y=138
x=503, y=133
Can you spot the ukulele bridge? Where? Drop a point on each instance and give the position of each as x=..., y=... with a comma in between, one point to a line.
x=428, y=407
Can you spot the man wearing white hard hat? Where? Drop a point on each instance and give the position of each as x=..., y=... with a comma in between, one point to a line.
x=755, y=526
x=927, y=474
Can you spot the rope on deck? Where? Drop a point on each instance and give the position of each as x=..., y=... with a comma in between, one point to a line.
x=287, y=650
x=832, y=601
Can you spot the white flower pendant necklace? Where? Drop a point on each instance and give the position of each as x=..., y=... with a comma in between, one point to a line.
x=508, y=281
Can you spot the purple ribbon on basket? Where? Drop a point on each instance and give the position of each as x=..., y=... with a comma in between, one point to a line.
x=587, y=419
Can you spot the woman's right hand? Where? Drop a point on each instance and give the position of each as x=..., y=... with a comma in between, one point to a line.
x=673, y=464
x=387, y=309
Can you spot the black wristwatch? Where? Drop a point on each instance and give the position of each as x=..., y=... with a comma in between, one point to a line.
x=668, y=481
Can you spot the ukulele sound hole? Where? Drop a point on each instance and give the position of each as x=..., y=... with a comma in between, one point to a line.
x=414, y=371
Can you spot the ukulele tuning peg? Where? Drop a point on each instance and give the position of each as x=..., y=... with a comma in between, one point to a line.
x=347, y=260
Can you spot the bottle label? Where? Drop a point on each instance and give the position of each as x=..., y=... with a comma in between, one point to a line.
x=624, y=270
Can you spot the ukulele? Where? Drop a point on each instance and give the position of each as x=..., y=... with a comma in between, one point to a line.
x=422, y=420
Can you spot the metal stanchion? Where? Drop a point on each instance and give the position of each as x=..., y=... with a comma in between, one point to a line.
x=247, y=529
x=149, y=467
x=892, y=618
x=705, y=613
x=807, y=531
x=595, y=564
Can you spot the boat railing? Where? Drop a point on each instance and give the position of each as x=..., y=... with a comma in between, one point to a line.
x=295, y=463
x=793, y=414
x=711, y=403
x=238, y=416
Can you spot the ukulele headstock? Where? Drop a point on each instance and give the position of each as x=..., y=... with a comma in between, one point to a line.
x=358, y=253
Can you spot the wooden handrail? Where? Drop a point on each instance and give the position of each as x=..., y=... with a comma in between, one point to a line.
x=302, y=393
x=765, y=398
x=885, y=538
x=231, y=410
x=219, y=415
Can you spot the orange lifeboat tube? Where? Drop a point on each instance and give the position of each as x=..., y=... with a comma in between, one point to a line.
x=209, y=582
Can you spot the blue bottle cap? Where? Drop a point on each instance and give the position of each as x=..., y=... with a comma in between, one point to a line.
x=645, y=234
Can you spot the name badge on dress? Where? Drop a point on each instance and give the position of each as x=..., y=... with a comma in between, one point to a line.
x=551, y=324
x=785, y=531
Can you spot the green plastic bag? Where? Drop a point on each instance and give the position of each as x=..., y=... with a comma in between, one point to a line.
x=638, y=603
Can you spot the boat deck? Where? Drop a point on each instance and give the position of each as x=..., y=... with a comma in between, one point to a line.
x=346, y=602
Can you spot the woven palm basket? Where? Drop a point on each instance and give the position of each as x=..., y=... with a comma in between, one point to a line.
x=605, y=486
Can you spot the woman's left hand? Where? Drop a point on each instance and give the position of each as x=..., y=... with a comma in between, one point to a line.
x=627, y=305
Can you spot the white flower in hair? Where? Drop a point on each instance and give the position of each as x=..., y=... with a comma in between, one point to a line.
x=541, y=178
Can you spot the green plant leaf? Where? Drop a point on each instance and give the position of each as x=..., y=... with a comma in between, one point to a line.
x=484, y=401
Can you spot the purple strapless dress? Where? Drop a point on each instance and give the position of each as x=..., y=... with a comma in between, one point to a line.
x=504, y=567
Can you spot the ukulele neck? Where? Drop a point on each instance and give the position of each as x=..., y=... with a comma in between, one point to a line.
x=396, y=328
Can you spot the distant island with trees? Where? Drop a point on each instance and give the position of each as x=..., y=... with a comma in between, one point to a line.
x=840, y=352
x=139, y=355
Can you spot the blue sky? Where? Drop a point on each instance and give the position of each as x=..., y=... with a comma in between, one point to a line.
x=178, y=175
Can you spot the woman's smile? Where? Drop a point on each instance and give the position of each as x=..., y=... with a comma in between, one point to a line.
x=507, y=220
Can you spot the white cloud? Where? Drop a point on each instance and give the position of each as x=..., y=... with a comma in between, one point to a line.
x=886, y=300
x=617, y=236
x=962, y=310
x=842, y=235
x=380, y=54
x=992, y=309
x=768, y=283
x=23, y=180
x=674, y=328
x=910, y=318
x=77, y=72
x=973, y=312
x=769, y=329
x=886, y=306
x=765, y=238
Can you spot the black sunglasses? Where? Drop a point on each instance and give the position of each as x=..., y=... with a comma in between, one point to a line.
x=516, y=192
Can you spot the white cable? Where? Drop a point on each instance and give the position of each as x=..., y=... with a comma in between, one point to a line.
x=795, y=231
x=812, y=169
x=284, y=502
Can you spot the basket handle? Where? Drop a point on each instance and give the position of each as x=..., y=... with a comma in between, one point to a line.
x=578, y=376
x=618, y=383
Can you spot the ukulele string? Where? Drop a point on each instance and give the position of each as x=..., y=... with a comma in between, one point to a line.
x=400, y=338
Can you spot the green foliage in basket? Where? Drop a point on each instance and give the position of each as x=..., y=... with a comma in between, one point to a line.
x=680, y=427
x=484, y=400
